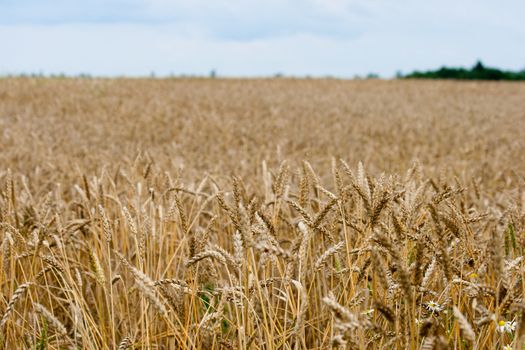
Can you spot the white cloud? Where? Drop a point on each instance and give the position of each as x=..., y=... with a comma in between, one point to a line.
x=248, y=37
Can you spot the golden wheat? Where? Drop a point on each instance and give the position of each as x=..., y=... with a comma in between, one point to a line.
x=264, y=214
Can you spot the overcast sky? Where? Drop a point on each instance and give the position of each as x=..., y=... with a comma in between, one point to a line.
x=258, y=38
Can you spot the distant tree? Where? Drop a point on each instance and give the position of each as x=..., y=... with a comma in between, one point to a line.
x=478, y=72
x=478, y=67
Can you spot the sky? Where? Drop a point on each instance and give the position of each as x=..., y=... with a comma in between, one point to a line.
x=340, y=38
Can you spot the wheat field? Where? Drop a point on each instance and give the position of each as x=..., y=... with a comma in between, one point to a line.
x=261, y=214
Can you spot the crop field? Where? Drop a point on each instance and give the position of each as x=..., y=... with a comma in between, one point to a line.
x=261, y=214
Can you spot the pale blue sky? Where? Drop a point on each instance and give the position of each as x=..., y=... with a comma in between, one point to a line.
x=257, y=38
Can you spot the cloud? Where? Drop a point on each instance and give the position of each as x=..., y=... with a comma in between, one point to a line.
x=248, y=37
x=114, y=49
x=233, y=19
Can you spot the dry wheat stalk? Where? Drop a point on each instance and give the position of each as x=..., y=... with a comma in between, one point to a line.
x=48, y=315
x=145, y=285
x=464, y=325
x=12, y=302
x=321, y=261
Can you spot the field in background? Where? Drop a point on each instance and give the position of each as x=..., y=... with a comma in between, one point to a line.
x=264, y=214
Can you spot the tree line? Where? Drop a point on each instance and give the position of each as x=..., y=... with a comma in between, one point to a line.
x=477, y=72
